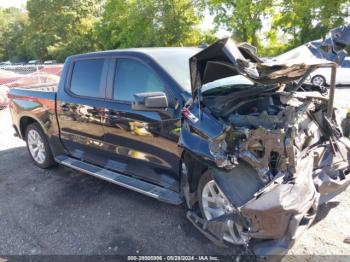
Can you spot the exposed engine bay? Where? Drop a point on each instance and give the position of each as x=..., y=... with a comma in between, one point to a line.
x=294, y=155
x=271, y=131
x=275, y=154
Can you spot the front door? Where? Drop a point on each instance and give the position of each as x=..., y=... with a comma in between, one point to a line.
x=141, y=143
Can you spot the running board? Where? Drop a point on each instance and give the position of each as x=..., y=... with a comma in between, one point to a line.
x=143, y=187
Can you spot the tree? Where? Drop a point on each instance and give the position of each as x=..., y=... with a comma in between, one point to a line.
x=309, y=19
x=61, y=28
x=52, y=29
x=244, y=18
x=13, y=22
x=134, y=23
x=275, y=26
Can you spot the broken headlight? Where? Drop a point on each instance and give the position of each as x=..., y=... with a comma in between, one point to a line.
x=218, y=149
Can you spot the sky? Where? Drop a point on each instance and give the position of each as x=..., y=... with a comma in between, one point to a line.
x=12, y=3
x=207, y=24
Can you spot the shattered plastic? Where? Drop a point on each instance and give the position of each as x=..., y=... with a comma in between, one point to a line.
x=281, y=147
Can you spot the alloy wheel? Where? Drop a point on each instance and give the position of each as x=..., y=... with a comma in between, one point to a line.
x=216, y=204
x=36, y=146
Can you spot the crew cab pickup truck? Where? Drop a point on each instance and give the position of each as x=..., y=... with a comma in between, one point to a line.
x=251, y=154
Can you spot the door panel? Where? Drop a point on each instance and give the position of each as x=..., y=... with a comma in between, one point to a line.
x=80, y=109
x=81, y=129
x=343, y=72
x=143, y=144
x=343, y=75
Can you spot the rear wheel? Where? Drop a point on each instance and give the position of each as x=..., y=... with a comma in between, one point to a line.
x=38, y=146
x=213, y=203
x=318, y=80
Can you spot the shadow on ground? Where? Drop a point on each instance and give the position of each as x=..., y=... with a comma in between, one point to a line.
x=323, y=211
x=60, y=211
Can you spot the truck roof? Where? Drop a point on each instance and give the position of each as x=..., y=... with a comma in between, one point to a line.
x=151, y=51
x=171, y=59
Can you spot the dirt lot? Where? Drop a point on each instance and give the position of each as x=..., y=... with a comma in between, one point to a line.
x=60, y=211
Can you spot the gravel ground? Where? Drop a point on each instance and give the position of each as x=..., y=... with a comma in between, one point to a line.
x=332, y=224
x=60, y=211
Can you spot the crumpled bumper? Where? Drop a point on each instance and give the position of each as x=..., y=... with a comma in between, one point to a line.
x=285, y=210
x=278, y=213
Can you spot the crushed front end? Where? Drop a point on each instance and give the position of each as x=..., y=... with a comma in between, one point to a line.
x=276, y=154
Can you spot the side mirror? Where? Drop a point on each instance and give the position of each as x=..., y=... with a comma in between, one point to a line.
x=150, y=101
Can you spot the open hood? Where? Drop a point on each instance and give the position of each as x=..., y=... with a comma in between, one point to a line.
x=225, y=58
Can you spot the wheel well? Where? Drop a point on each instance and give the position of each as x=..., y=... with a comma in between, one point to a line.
x=195, y=169
x=24, y=123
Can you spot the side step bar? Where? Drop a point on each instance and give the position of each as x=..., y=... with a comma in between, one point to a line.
x=143, y=187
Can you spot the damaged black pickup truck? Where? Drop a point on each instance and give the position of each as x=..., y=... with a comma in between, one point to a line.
x=241, y=140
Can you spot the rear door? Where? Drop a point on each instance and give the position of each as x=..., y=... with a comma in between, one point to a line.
x=142, y=143
x=343, y=73
x=80, y=108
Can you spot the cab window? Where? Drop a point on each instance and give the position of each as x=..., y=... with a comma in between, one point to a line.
x=86, y=78
x=134, y=77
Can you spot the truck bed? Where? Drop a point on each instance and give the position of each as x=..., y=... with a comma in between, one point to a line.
x=51, y=87
x=36, y=103
x=42, y=91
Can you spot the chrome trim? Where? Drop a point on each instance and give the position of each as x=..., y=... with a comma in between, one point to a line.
x=143, y=187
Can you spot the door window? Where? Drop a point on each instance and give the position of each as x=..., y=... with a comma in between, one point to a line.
x=87, y=77
x=134, y=77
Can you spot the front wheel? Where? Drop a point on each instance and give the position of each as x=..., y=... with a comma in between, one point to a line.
x=213, y=203
x=38, y=146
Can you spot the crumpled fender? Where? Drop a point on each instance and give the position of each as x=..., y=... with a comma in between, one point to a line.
x=195, y=135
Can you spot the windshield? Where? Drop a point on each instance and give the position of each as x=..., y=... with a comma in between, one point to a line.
x=176, y=64
x=227, y=85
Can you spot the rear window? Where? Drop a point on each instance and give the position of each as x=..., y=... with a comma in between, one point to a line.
x=87, y=77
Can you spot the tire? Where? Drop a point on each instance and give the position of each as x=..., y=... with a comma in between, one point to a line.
x=232, y=231
x=205, y=178
x=38, y=146
x=318, y=80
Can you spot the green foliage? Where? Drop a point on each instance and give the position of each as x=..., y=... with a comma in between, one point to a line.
x=12, y=23
x=58, y=29
x=133, y=23
x=242, y=17
x=288, y=23
x=55, y=29
x=307, y=20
